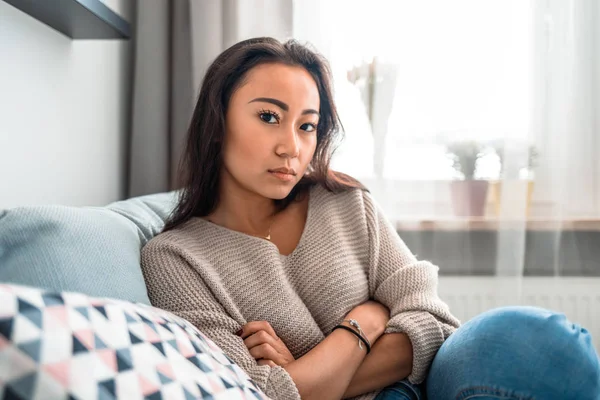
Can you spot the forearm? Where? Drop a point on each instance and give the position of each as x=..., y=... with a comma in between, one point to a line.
x=326, y=371
x=390, y=361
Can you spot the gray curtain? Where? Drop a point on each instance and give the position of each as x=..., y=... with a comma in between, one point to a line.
x=174, y=42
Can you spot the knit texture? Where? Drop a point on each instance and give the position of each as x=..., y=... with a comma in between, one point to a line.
x=219, y=280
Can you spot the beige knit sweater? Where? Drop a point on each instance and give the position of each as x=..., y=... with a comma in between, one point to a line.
x=219, y=280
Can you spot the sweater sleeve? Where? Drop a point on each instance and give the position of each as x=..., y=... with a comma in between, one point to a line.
x=175, y=286
x=408, y=287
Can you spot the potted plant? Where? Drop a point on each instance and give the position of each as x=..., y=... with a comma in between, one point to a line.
x=517, y=164
x=469, y=194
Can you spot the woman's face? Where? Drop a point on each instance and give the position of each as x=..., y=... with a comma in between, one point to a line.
x=271, y=130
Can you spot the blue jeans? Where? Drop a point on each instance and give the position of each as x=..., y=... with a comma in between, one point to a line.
x=516, y=353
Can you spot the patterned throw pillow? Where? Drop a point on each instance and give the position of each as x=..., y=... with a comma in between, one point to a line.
x=71, y=346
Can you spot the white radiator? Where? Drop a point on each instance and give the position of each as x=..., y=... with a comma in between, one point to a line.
x=577, y=298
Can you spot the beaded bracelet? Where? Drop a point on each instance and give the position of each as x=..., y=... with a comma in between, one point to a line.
x=358, y=335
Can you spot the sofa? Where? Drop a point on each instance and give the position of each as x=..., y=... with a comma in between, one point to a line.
x=75, y=318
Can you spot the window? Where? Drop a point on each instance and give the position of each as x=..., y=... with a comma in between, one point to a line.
x=412, y=76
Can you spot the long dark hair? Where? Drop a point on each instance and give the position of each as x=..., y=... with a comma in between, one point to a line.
x=202, y=159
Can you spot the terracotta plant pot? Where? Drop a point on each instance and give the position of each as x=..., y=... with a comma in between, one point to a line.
x=469, y=197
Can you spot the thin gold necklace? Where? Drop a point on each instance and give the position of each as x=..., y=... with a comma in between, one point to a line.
x=268, y=237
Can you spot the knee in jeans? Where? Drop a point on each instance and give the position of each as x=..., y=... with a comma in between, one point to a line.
x=540, y=345
x=529, y=323
x=533, y=329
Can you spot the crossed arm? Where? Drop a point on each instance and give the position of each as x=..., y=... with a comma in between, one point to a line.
x=389, y=361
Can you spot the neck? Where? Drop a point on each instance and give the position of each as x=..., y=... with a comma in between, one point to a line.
x=243, y=211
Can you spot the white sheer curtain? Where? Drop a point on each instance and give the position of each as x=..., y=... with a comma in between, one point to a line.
x=413, y=77
x=515, y=74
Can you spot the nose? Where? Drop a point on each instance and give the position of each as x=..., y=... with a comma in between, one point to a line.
x=288, y=145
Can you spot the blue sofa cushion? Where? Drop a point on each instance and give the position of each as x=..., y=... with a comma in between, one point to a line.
x=92, y=250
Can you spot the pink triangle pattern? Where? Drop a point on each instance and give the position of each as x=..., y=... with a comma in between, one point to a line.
x=96, y=302
x=185, y=348
x=215, y=385
x=151, y=335
x=146, y=386
x=166, y=370
x=86, y=336
x=60, y=372
x=109, y=358
x=59, y=313
x=3, y=343
x=211, y=344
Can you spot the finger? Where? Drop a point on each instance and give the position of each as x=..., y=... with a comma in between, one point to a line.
x=259, y=338
x=255, y=326
x=266, y=362
x=264, y=350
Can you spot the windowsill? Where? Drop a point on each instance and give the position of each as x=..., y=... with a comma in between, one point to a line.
x=487, y=247
x=432, y=200
x=495, y=224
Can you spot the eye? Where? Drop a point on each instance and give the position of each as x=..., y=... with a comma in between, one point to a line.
x=309, y=127
x=269, y=117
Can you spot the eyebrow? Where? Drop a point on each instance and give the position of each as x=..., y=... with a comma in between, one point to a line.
x=281, y=105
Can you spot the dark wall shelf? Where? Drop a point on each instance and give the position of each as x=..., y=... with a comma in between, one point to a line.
x=77, y=19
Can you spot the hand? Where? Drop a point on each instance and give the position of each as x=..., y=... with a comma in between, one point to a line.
x=264, y=345
x=372, y=317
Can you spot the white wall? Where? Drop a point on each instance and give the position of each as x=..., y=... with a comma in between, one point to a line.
x=63, y=113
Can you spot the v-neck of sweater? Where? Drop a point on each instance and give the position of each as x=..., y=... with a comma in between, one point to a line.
x=230, y=233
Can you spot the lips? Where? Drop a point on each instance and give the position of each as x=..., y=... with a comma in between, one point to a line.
x=283, y=174
x=283, y=170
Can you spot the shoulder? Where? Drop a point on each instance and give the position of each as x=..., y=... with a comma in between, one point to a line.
x=351, y=207
x=356, y=209
x=174, y=241
x=352, y=200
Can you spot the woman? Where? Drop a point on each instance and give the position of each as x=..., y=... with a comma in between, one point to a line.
x=295, y=273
